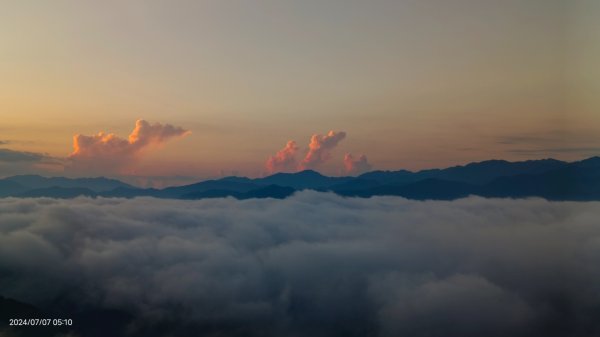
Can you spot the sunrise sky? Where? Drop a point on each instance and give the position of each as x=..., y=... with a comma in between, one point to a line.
x=408, y=84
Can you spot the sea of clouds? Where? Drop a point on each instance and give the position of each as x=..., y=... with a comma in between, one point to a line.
x=314, y=264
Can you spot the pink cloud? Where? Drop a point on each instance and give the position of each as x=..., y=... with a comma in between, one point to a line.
x=284, y=160
x=106, y=152
x=356, y=166
x=318, y=152
x=319, y=149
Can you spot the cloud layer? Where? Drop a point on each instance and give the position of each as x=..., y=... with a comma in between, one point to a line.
x=314, y=264
x=23, y=162
x=12, y=156
x=109, y=153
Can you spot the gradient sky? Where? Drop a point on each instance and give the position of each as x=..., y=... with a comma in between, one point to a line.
x=414, y=84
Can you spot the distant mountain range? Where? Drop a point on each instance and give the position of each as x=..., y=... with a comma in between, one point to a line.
x=547, y=178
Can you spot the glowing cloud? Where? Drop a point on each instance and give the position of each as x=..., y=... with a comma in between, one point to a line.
x=319, y=149
x=106, y=152
x=356, y=166
x=284, y=160
x=318, y=152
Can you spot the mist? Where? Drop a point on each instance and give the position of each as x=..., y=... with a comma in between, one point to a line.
x=314, y=264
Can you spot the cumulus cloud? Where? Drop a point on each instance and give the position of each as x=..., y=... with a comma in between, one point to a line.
x=356, y=166
x=318, y=152
x=106, y=152
x=314, y=264
x=284, y=160
x=320, y=147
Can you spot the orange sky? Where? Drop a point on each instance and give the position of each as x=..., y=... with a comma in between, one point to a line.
x=413, y=84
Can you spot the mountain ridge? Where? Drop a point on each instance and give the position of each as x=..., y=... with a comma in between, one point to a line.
x=546, y=178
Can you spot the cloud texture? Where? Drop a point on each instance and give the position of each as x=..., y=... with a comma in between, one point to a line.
x=356, y=166
x=23, y=162
x=284, y=160
x=318, y=152
x=109, y=153
x=319, y=149
x=314, y=264
x=12, y=156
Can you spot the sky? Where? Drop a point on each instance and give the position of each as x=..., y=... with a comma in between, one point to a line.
x=222, y=87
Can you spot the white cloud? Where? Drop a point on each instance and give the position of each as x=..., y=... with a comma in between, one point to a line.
x=314, y=264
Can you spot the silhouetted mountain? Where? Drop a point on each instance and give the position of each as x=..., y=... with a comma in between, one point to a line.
x=436, y=189
x=271, y=191
x=548, y=178
x=486, y=171
x=9, y=188
x=473, y=173
x=99, y=184
x=354, y=185
x=590, y=162
x=130, y=192
x=236, y=179
x=58, y=192
x=387, y=177
x=243, y=188
x=210, y=194
x=579, y=181
x=210, y=185
x=307, y=179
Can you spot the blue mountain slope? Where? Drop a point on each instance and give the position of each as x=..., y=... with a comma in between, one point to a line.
x=9, y=188
x=209, y=185
x=271, y=191
x=427, y=189
x=486, y=171
x=576, y=181
x=386, y=177
x=58, y=192
x=130, y=192
x=474, y=173
x=551, y=179
x=307, y=179
x=593, y=162
x=354, y=185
